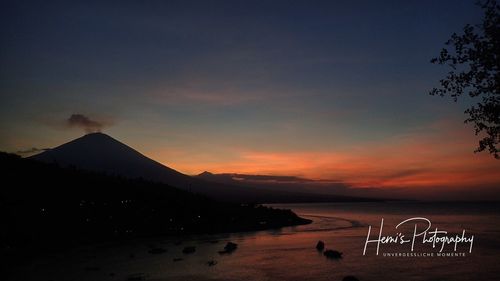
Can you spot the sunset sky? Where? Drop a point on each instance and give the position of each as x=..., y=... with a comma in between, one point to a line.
x=333, y=90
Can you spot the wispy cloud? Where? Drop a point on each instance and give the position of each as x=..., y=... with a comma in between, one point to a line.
x=194, y=93
x=81, y=121
x=31, y=151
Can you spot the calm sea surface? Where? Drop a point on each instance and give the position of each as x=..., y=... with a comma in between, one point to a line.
x=289, y=253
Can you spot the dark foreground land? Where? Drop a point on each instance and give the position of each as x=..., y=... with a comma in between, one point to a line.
x=45, y=207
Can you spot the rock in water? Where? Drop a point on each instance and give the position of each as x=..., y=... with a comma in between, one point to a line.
x=229, y=248
x=332, y=254
x=320, y=246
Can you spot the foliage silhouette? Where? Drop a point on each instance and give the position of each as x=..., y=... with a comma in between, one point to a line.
x=474, y=59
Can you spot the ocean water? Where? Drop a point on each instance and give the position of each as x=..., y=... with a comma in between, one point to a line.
x=289, y=253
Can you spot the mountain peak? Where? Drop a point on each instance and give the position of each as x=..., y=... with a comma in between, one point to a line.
x=94, y=142
x=101, y=152
x=205, y=173
x=97, y=135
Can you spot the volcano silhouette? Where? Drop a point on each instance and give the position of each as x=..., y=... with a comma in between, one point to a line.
x=101, y=153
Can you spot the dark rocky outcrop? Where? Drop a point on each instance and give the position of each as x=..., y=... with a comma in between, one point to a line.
x=332, y=254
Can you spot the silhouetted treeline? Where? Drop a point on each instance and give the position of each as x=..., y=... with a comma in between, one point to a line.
x=44, y=205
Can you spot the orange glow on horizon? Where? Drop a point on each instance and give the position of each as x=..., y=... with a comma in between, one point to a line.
x=416, y=160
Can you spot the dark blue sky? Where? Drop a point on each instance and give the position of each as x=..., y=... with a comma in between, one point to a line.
x=215, y=81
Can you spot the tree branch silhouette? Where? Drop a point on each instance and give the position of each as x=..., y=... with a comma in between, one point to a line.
x=474, y=59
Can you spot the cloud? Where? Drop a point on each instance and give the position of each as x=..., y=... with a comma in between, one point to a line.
x=30, y=151
x=267, y=178
x=84, y=122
